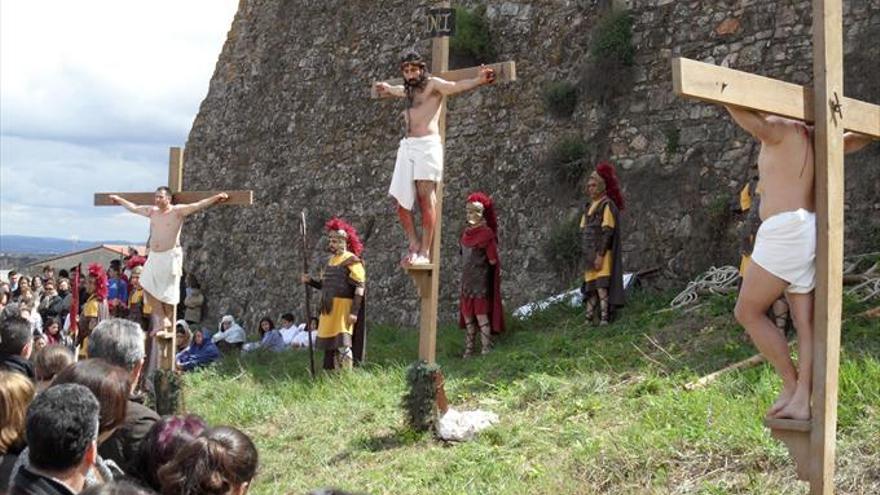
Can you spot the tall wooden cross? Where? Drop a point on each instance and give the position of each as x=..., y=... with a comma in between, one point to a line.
x=167, y=345
x=440, y=23
x=811, y=442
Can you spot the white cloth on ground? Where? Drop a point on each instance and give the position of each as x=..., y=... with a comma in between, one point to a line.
x=461, y=426
x=418, y=158
x=786, y=247
x=161, y=275
x=301, y=339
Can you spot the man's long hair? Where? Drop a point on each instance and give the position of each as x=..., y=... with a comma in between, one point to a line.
x=412, y=57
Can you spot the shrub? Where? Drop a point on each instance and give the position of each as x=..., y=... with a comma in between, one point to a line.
x=563, y=249
x=472, y=43
x=566, y=160
x=609, y=72
x=673, y=135
x=419, y=401
x=613, y=38
x=560, y=98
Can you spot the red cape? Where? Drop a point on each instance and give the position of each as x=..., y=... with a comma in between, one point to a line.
x=481, y=237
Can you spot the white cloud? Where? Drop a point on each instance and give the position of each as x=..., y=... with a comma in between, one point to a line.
x=92, y=94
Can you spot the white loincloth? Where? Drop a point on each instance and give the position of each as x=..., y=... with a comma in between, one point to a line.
x=786, y=247
x=418, y=158
x=161, y=275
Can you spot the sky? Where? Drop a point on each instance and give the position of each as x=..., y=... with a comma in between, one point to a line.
x=92, y=95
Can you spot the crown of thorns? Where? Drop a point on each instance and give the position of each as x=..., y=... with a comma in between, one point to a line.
x=412, y=57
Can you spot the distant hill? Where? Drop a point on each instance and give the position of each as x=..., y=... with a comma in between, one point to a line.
x=20, y=244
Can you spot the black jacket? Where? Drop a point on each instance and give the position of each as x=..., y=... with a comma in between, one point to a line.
x=122, y=447
x=17, y=364
x=27, y=482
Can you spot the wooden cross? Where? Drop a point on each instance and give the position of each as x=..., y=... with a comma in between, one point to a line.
x=167, y=346
x=811, y=442
x=427, y=277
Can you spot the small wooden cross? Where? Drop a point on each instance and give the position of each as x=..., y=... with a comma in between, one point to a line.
x=812, y=442
x=427, y=277
x=167, y=346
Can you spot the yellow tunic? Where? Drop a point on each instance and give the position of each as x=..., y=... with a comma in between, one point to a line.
x=90, y=310
x=331, y=325
x=136, y=297
x=607, y=221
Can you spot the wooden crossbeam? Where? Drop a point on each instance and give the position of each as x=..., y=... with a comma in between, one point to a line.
x=504, y=72
x=715, y=84
x=239, y=198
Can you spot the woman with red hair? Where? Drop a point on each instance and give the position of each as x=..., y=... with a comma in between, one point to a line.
x=600, y=229
x=341, y=325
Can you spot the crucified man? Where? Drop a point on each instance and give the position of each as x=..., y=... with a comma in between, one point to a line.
x=161, y=276
x=419, y=164
x=784, y=255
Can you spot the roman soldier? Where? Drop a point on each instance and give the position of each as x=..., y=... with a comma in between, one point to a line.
x=480, y=301
x=600, y=229
x=95, y=310
x=341, y=326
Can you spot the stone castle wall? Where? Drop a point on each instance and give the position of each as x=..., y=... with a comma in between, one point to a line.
x=288, y=114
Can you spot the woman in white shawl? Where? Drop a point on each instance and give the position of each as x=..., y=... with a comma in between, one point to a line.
x=230, y=336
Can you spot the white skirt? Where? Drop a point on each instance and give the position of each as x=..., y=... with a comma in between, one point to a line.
x=161, y=275
x=418, y=158
x=786, y=247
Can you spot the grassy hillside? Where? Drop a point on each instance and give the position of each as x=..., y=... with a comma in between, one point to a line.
x=582, y=411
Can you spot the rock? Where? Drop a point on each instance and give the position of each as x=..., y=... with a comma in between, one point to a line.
x=727, y=26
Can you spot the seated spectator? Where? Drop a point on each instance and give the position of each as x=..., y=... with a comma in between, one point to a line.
x=163, y=441
x=194, y=301
x=16, y=392
x=184, y=335
x=230, y=336
x=221, y=460
x=62, y=434
x=50, y=361
x=117, y=488
x=109, y=384
x=121, y=343
x=301, y=339
x=201, y=352
x=54, y=334
x=16, y=345
x=288, y=328
x=271, y=339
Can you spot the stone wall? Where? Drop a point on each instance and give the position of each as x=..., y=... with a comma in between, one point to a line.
x=288, y=114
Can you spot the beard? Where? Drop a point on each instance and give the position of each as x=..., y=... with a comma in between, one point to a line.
x=410, y=86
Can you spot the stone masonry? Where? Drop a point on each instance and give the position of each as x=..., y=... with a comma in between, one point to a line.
x=288, y=114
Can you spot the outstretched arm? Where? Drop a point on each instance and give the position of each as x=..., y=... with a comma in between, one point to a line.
x=128, y=205
x=446, y=88
x=853, y=141
x=759, y=126
x=201, y=205
x=385, y=90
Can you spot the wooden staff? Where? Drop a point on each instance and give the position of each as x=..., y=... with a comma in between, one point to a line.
x=308, y=298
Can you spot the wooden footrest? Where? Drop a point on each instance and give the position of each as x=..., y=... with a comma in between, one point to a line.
x=787, y=424
x=420, y=268
x=795, y=434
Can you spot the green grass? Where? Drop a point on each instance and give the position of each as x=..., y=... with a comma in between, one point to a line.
x=582, y=411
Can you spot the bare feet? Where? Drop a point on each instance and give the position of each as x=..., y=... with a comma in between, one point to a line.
x=797, y=408
x=411, y=254
x=781, y=401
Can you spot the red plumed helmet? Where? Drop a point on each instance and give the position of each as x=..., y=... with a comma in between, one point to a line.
x=612, y=186
x=134, y=261
x=488, y=209
x=353, y=241
x=97, y=272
